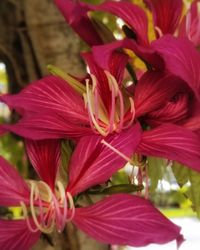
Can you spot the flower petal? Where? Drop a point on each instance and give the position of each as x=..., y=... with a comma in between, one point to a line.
x=50, y=95
x=102, y=53
x=164, y=85
x=116, y=65
x=190, y=25
x=15, y=235
x=131, y=14
x=174, y=143
x=124, y=219
x=45, y=158
x=94, y=163
x=49, y=105
x=181, y=59
x=166, y=14
x=13, y=189
x=43, y=126
x=76, y=16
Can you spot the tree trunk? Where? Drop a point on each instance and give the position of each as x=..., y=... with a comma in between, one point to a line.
x=33, y=35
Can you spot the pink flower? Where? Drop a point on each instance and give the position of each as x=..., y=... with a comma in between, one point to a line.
x=55, y=108
x=48, y=203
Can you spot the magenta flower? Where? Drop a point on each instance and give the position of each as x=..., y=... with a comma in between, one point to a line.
x=71, y=109
x=166, y=15
x=48, y=203
x=51, y=108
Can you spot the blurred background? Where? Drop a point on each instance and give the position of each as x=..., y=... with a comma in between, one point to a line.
x=33, y=35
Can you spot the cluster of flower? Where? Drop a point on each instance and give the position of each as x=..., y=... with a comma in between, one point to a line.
x=109, y=120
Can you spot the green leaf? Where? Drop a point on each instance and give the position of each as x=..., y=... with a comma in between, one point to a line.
x=116, y=189
x=184, y=175
x=156, y=169
x=181, y=173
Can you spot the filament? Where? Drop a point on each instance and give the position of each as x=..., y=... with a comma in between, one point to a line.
x=48, y=208
x=72, y=207
x=116, y=151
x=105, y=120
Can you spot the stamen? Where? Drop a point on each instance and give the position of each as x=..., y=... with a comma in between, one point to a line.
x=26, y=217
x=64, y=202
x=112, y=111
x=133, y=113
x=71, y=205
x=96, y=103
x=114, y=88
x=160, y=33
x=112, y=82
x=188, y=25
x=33, y=212
x=116, y=151
x=90, y=111
x=121, y=101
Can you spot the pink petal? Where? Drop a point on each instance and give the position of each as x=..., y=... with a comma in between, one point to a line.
x=164, y=85
x=166, y=14
x=124, y=219
x=94, y=163
x=116, y=66
x=102, y=53
x=49, y=106
x=174, y=143
x=15, y=235
x=75, y=14
x=190, y=25
x=36, y=126
x=45, y=158
x=13, y=189
x=173, y=112
x=181, y=59
x=50, y=95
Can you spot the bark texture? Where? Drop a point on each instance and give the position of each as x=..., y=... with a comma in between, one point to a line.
x=33, y=35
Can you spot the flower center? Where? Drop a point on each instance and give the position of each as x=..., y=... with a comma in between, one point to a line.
x=48, y=208
x=105, y=120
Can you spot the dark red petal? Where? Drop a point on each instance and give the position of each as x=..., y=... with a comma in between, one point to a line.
x=15, y=235
x=124, y=219
x=45, y=158
x=154, y=90
x=174, y=143
x=13, y=189
x=94, y=163
x=76, y=15
x=166, y=14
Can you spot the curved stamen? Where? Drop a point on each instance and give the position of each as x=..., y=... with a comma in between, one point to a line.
x=34, y=189
x=121, y=120
x=133, y=113
x=64, y=202
x=96, y=103
x=26, y=217
x=71, y=205
x=90, y=110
